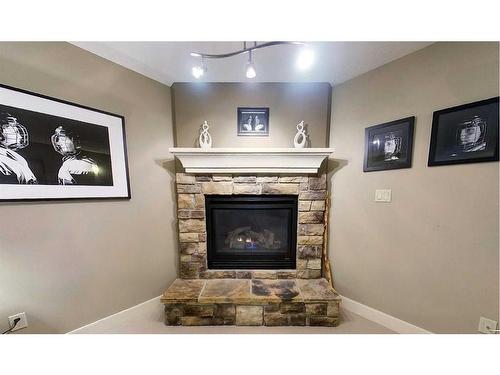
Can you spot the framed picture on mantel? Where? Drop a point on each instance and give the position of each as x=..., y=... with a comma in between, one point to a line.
x=389, y=145
x=54, y=149
x=253, y=121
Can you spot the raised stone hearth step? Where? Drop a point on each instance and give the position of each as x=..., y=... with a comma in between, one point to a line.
x=249, y=302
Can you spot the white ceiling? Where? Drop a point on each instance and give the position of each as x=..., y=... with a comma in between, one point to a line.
x=170, y=62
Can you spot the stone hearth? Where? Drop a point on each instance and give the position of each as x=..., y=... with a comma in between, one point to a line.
x=295, y=302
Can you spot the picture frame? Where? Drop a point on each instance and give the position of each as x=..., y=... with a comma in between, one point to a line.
x=53, y=149
x=389, y=145
x=466, y=133
x=253, y=121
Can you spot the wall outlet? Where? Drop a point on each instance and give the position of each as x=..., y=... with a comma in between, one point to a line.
x=23, y=323
x=487, y=325
x=383, y=195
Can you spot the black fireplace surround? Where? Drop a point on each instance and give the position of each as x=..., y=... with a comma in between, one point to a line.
x=251, y=231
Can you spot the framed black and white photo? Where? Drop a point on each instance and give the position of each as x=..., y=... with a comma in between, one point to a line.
x=54, y=149
x=389, y=145
x=253, y=121
x=465, y=134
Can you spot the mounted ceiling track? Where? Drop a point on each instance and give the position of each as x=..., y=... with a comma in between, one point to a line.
x=304, y=61
x=241, y=51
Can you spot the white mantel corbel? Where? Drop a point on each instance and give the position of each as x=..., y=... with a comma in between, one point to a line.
x=251, y=160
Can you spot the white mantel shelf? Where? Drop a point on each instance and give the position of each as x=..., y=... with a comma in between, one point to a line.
x=251, y=160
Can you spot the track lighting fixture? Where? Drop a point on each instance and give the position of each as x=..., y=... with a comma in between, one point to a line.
x=304, y=61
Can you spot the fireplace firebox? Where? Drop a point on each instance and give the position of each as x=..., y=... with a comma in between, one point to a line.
x=251, y=231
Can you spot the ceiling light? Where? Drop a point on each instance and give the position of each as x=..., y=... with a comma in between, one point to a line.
x=197, y=71
x=251, y=73
x=305, y=59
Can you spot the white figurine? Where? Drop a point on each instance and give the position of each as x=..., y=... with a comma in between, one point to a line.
x=300, y=138
x=205, y=139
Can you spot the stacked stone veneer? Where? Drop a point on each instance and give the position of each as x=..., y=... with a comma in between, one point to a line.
x=276, y=314
x=191, y=191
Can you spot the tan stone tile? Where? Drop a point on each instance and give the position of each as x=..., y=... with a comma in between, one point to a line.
x=261, y=179
x=185, y=201
x=310, y=240
x=311, y=229
x=280, y=189
x=222, y=177
x=183, y=291
x=188, y=237
x=191, y=225
x=226, y=291
x=275, y=290
x=311, y=217
x=183, y=178
x=316, y=290
x=249, y=315
x=312, y=195
x=246, y=179
x=317, y=183
x=188, y=189
x=199, y=201
x=296, y=179
x=304, y=205
x=314, y=264
x=318, y=206
x=247, y=189
x=225, y=188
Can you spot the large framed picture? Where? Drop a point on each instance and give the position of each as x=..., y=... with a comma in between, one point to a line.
x=54, y=149
x=253, y=121
x=465, y=134
x=389, y=145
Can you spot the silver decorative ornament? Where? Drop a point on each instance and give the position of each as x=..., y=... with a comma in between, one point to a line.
x=205, y=139
x=299, y=141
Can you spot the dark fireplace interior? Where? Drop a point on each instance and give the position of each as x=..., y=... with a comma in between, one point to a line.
x=251, y=231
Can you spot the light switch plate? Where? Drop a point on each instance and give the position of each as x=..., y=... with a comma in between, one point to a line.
x=487, y=325
x=383, y=195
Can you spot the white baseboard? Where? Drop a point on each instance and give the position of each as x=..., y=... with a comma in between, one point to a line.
x=379, y=317
x=148, y=307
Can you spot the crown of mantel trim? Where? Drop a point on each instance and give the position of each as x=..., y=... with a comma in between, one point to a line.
x=251, y=160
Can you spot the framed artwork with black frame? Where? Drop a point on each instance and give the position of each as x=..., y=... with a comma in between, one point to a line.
x=389, y=145
x=465, y=134
x=52, y=149
x=253, y=121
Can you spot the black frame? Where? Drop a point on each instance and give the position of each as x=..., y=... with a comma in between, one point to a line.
x=390, y=165
x=122, y=118
x=238, y=261
x=435, y=127
x=252, y=134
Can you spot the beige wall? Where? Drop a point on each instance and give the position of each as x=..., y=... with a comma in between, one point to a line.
x=67, y=264
x=289, y=103
x=431, y=256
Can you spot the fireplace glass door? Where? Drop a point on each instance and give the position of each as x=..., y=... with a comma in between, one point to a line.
x=251, y=231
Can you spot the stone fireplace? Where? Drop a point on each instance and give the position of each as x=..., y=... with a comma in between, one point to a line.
x=300, y=232
x=251, y=236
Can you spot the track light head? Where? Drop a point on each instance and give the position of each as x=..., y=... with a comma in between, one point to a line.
x=305, y=59
x=250, y=69
x=197, y=71
x=251, y=73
